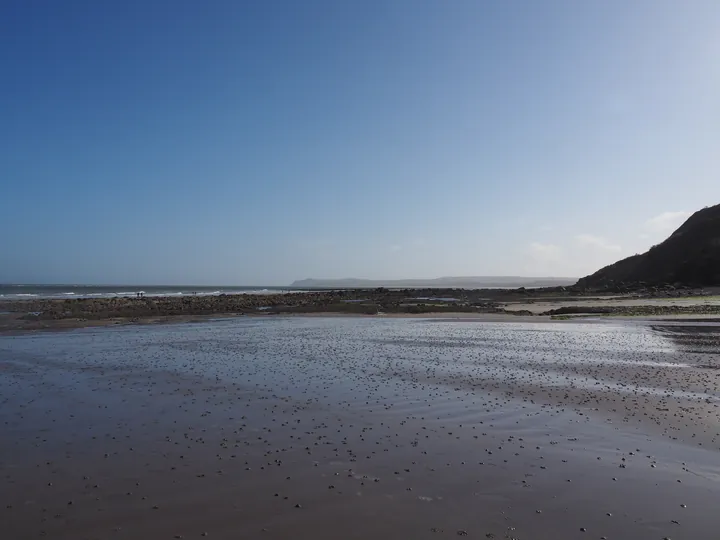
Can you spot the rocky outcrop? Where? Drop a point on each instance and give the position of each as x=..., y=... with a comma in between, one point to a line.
x=350, y=301
x=647, y=310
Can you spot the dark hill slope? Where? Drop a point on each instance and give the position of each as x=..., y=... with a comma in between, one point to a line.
x=690, y=256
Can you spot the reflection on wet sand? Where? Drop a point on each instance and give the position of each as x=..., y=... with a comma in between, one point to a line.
x=702, y=339
x=357, y=428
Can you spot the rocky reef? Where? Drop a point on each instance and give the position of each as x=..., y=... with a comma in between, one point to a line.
x=358, y=301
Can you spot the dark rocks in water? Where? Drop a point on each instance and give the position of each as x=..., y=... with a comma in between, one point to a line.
x=647, y=310
x=689, y=257
x=521, y=312
x=360, y=301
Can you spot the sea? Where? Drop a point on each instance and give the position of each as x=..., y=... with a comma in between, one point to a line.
x=28, y=291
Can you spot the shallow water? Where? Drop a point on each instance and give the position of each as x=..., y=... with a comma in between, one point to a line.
x=30, y=292
x=357, y=428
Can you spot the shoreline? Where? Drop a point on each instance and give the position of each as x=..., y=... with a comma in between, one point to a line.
x=516, y=305
x=18, y=328
x=10, y=326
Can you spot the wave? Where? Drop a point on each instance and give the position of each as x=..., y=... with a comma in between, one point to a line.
x=71, y=292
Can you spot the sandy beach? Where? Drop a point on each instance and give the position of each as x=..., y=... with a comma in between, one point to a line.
x=337, y=427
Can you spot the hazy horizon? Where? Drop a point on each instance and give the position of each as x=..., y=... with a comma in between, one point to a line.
x=276, y=285
x=229, y=142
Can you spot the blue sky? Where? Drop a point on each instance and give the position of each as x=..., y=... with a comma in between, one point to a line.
x=262, y=142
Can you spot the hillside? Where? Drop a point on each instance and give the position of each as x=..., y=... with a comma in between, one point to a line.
x=468, y=282
x=690, y=256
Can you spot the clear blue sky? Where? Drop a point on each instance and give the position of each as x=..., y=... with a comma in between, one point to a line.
x=261, y=142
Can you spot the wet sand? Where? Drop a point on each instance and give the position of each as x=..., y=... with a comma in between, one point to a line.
x=12, y=325
x=326, y=428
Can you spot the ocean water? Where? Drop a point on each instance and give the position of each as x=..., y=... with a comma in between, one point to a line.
x=29, y=292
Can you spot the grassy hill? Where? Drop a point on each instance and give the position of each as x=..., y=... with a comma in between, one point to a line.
x=690, y=256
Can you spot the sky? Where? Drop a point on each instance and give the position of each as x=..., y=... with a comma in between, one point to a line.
x=226, y=142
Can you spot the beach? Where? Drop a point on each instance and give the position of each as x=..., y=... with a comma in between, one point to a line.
x=362, y=427
x=360, y=270
x=557, y=303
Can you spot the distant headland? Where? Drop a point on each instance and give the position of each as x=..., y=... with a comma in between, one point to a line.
x=466, y=282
